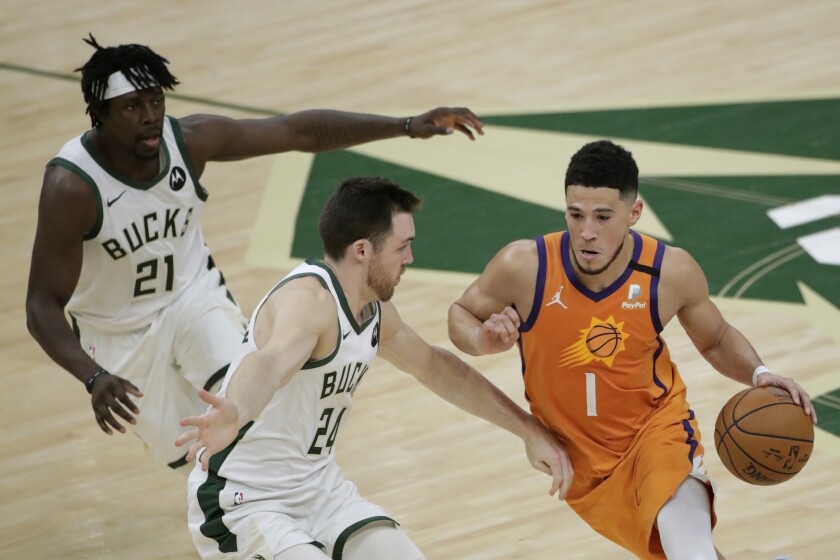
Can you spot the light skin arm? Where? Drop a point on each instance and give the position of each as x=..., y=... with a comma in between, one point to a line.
x=455, y=381
x=486, y=319
x=216, y=138
x=296, y=324
x=721, y=344
x=53, y=275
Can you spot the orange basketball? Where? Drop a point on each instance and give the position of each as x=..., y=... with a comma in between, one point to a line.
x=763, y=437
x=602, y=340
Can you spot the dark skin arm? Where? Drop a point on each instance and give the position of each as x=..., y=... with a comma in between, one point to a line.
x=57, y=252
x=215, y=138
x=53, y=275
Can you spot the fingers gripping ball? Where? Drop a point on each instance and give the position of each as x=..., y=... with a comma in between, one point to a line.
x=603, y=340
x=763, y=437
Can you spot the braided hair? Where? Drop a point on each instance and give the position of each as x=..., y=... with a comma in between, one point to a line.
x=143, y=68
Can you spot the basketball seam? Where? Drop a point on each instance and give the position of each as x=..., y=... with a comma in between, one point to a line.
x=762, y=465
x=733, y=470
x=753, y=411
x=736, y=424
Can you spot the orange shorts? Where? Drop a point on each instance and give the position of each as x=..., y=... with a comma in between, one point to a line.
x=623, y=506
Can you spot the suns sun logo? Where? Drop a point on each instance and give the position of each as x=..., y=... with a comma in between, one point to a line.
x=602, y=340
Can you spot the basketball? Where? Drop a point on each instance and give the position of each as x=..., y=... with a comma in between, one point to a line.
x=602, y=340
x=763, y=437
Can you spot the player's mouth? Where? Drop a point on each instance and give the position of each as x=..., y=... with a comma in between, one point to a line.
x=151, y=141
x=151, y=138
x=588, y=255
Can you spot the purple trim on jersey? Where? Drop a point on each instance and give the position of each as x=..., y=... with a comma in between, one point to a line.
x=612, y=288
x=654, y=287
x=690, y=440
x=656, y=357
x=538, y=290
x=522, y=360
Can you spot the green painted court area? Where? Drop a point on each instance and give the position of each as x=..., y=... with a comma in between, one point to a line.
x=722, y=220
x=828, y=411
x=460, y=226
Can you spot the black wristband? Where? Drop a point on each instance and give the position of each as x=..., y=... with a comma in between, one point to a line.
x=89, y=383
x=407, y=127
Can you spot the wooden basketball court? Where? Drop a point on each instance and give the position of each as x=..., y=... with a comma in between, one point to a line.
x=461, y=488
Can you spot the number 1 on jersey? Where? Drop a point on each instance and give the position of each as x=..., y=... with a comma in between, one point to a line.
x=591, y=407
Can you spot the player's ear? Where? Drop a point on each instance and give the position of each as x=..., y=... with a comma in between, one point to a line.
x=636, y=211
x=361, y=249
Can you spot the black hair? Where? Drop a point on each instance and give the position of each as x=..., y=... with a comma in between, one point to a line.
x=143, y=67
x=362, y=208
x=604, y=164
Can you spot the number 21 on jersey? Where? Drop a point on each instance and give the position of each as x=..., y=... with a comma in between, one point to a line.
x=147, y=273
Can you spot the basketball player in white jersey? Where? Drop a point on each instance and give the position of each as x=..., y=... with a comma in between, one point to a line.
x=266, y=484
x=119, y=245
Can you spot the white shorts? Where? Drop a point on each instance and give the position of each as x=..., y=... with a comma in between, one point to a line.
x=188, y=346
x=226, y=525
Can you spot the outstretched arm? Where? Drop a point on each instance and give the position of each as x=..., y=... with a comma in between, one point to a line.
x=297, y=323
x=457, y=382
x=215, y=138
x=721, y=344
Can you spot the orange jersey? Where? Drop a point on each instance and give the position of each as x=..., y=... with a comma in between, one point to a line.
x=595, y=367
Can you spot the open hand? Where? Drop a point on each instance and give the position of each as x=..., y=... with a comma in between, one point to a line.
x=215, y=429
x=547, y=454
x=111, y=396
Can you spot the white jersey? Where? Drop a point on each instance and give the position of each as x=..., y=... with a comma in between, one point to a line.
x=147, y=246
x=286, y=454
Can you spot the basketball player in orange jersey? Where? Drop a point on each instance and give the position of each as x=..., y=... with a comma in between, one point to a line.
x=586, y=308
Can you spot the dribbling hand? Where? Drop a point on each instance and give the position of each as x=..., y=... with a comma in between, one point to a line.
x=797, y=393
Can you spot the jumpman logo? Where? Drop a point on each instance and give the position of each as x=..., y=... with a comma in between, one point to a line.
x=556, y=299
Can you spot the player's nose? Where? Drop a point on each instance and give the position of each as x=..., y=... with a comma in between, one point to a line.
x=588, y=232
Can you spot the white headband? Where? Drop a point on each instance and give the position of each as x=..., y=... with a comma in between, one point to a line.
x=118, y=85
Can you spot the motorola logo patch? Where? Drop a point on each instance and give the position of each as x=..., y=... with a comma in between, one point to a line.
x=177, y=178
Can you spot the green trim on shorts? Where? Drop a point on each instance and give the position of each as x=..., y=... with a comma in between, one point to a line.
x=211, y=264
x=75, y=326
x=338, y=549
x=177, y=464
x=208, y=499
x=213, y=379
